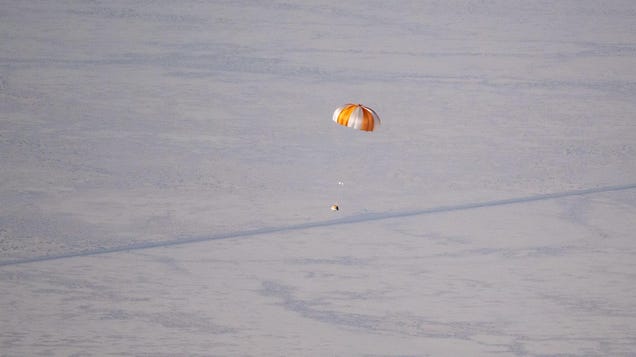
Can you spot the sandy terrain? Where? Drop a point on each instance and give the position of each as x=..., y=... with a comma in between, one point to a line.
x=166, y=173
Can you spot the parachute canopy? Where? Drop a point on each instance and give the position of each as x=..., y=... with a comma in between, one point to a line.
x=357, y=116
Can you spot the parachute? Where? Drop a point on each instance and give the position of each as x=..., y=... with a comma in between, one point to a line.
x=357, y=116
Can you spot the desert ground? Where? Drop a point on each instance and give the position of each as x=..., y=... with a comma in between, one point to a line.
x=167, y=168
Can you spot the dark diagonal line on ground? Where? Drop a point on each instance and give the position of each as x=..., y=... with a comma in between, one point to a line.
x=367, y=217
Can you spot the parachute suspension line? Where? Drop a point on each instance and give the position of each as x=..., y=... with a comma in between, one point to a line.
x=336, y=206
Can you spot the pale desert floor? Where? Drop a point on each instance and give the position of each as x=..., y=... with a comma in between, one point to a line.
x=166, y=172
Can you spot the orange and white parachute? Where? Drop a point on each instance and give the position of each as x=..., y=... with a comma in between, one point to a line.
x=357, y=116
